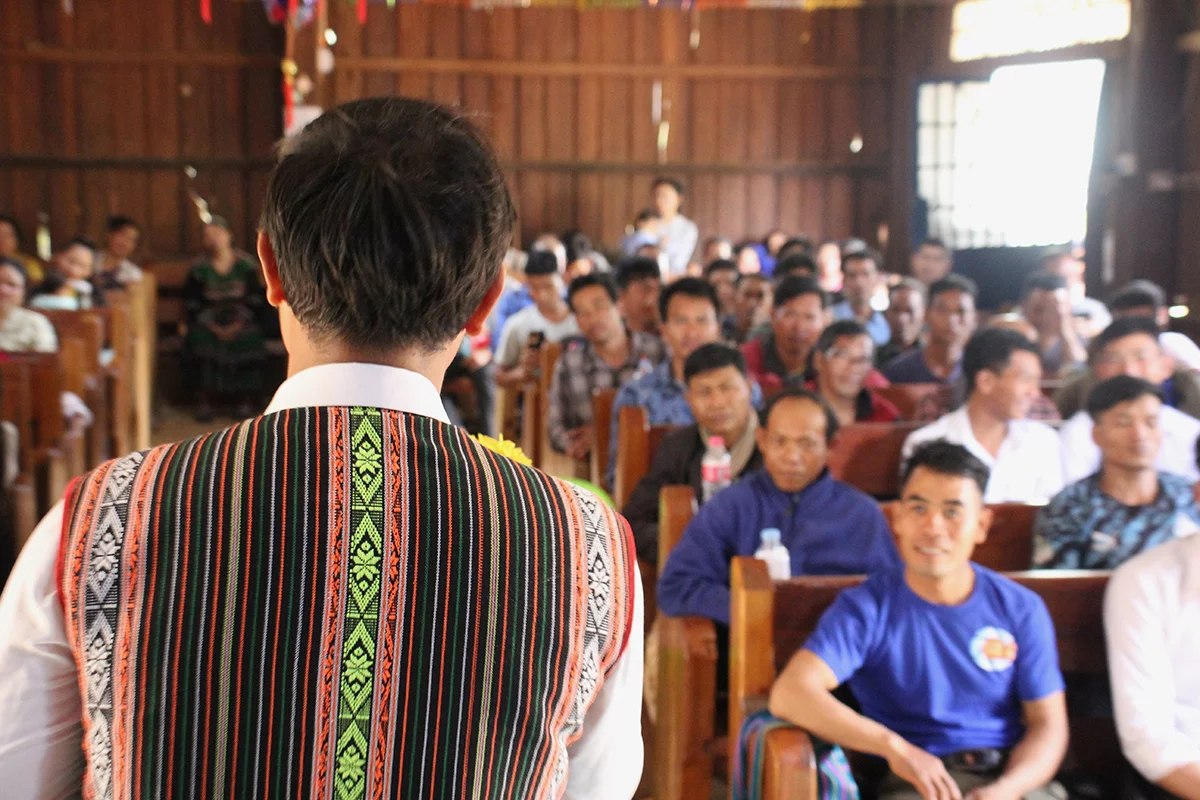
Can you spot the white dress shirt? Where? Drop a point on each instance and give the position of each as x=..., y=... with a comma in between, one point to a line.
x=1177, y=455
x=1151, y=616
x=41, y=733
x=1026, y=469
x=526, y=321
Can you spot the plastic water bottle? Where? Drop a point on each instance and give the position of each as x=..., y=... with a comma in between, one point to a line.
x=716, y=470
x=772, y=551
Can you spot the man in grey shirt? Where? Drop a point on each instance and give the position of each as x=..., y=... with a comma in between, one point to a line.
x=676, y=233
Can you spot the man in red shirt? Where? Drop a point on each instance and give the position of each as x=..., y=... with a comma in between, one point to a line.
x=842, y=361
x=801, y=312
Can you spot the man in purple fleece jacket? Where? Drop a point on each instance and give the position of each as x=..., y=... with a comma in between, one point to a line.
x=830, y=528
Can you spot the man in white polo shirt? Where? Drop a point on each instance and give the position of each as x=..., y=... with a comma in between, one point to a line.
x=1151, y=615
x=1002, y=370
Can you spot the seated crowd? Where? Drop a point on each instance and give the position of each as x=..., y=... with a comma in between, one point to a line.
x=763, y=353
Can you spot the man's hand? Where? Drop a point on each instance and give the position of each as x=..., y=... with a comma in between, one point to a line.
x=993, y=791
x=923, y=770
x=579, y=442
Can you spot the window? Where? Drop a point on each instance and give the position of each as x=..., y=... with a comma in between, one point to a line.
x=1006, y=162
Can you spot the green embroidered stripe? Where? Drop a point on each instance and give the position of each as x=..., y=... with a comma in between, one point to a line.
x=364, y=575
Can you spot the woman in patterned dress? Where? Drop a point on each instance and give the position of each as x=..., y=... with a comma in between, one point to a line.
x=224, y=345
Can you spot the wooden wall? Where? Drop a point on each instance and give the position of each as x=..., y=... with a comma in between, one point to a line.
x=761, y=112
x=103, y=109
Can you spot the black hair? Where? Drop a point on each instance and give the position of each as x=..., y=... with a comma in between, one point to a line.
x=909, y=283
x=931, y=241
x=645, y=215
x=601, y=279
x=838, y=330
x=541, y=262
x=389, y=218
x=863, y=254
x=953, y=283
x=20, y=234
x=991, y=349
x=52, y=281
x=794, y=392
x=577, y=244
x=689, y=287
x=718, y=265
x=1138, y=294
x=1119, y=329
x=636, y=268
x=751, y=276
x=17, y=267
x=118, y=221
x=710, y=357
x=800, y=244
x=80, y=241
x=794, y=264
x=1043, y=282
x=1120, y=389
x=947, y=458
x=795, y=286
x=674, y=183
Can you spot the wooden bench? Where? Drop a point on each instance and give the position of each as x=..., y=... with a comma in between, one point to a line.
x=534, y=398
x=602, y=408
x=84, y=373
x=688, y=751
x=771, y=621
x=866, y=455
x=637, y=441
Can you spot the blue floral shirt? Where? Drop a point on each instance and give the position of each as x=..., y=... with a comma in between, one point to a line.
x=1083, y=528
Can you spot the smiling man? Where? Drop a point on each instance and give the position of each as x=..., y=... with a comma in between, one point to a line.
x=955, y=666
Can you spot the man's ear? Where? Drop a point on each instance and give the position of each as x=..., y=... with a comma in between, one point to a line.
x=985, y=381
x=479, y=317
x=270, y=268
x=986, y=516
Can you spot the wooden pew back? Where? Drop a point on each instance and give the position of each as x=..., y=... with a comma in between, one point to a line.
x=536, y=394
x=637, y=441
x=602, y=406
x=866, y=455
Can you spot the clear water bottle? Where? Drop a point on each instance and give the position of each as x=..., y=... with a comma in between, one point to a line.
x=772, y=551
x=716, y=470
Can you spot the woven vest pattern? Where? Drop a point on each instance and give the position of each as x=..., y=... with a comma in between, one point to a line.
x=338, y=603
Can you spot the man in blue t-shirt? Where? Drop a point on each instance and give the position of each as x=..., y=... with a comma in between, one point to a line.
x=955, y=667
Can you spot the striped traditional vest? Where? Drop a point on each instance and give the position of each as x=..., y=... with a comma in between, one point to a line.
x=338, y=602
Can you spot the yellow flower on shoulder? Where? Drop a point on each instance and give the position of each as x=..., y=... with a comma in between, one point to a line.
x=505, y=448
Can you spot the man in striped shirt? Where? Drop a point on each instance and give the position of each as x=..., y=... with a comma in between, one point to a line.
x=345, y=597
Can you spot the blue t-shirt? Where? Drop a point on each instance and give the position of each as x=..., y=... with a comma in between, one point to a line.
x=946, y=678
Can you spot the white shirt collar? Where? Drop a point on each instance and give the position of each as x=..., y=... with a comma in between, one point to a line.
x=353, y=384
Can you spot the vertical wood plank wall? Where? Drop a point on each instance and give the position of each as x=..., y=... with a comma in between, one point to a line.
x=104, y=108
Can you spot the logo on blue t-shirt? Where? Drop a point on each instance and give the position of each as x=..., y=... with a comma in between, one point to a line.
x=994, y=649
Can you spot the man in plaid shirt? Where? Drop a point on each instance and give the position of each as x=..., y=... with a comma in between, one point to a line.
x=605, y=357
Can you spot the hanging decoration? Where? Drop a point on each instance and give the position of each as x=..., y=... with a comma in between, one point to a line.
x=300, y=12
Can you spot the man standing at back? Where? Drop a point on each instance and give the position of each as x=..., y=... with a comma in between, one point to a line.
x=346, y=597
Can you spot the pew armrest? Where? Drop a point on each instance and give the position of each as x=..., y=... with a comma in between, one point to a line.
x=686, y=706
x=789, y=765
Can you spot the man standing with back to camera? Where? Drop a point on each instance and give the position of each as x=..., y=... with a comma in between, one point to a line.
x=346, y=597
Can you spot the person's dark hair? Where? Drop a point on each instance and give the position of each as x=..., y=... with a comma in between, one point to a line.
x=637, y=268
x=645, y=215
x=1120, y=389
x=541, y=262
x=953, y=283
x=1140, y=293
x=601, y=279
x=795, y=286
x=794, y=392
x=712, y=356
x=946, y=458
x=689, y=287
x=1119, y=329
x=843, y=328
x=674, y=183
x=17, y=232
x=991, y=349
x=751, y=276
x=797, y=244
x=80, y=241
x=863, y=254
x=931, y=242
x=577, y=243
x=1043, y=282
x=909, y=283
x=389, y=218
x=52, y=281
x=719, y=265
x=794, y=264
x=118, y=221
x=17, y=267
